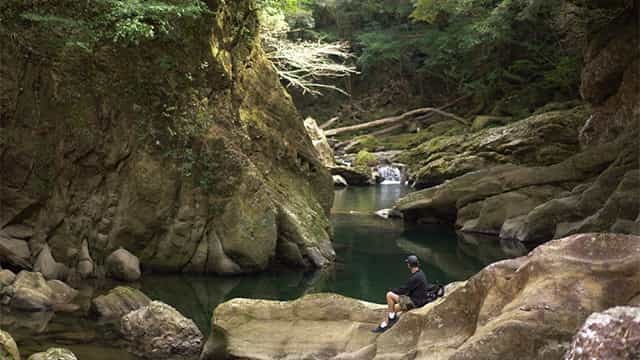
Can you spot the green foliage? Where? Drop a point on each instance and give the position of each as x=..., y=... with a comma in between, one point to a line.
x=364, y=161
x=485, y=48
x=85, y=25
x=282, y=5
x=136, y=20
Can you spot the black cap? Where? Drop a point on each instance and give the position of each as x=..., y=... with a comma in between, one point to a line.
x=412, y=260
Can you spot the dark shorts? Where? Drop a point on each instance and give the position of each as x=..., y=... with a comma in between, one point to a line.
x=405, y=303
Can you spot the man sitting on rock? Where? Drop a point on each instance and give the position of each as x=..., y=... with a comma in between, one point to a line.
x=413, y=295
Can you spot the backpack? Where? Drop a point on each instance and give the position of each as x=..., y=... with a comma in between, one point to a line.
x=434, y=291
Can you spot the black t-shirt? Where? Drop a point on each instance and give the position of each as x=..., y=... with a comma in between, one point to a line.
x=416, y=288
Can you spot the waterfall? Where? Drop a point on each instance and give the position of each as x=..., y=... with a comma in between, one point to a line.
x=390, y=174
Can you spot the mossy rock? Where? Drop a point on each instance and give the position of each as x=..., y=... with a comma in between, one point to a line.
x=485, y=121
x=539, y=140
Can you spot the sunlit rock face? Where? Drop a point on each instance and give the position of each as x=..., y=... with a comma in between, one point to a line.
x=525, y=308
x=188, y=153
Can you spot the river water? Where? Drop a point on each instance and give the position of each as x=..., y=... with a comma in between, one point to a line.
x=370, y=252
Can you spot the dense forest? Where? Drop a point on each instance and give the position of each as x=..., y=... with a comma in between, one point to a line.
x=510, y=57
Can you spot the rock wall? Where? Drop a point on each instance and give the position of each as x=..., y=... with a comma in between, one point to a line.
x=186, y=152
x=611, y=72
x=524, y=308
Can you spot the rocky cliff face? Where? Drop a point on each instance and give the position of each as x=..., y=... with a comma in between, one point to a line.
x=186, y=152
x=507, y=188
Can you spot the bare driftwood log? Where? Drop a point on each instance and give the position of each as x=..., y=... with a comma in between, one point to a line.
x=329, y=123
x=349, y=144
x=417, y=113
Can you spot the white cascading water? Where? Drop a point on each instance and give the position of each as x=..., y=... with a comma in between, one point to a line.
x=390, y=174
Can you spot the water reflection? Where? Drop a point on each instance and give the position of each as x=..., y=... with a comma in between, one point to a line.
x=35, y=332
x=367, y=199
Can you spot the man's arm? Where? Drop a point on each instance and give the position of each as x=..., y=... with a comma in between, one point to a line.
x=404, y=290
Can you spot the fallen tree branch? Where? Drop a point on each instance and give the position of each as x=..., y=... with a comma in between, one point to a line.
x=349, y=144
x=395, y=119
x=329, y=123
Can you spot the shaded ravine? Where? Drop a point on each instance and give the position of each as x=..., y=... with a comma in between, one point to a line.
x=369, y=251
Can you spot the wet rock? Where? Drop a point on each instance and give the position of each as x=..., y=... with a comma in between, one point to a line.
x=339, y=181
x=15, y=252
x=54, y=354
x=8, y=347
x=523, y=308
x=119, y=302
x=123, y=265
x=31, y=292
x=353, y=176
x=612, y=334
x=49, y=267
x=158, y=331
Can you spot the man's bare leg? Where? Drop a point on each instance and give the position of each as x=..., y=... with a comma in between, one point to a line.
x=393, y=306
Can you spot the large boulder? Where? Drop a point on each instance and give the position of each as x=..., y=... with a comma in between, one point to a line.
x=524, y=308
x=54, y=354
x=320, y=143
x=8, y=347
x=123, y=265
x=158, y=331
x=118, y=302
x=187, y=171
x=31, y=292
x=612, y=334
x=542, y=139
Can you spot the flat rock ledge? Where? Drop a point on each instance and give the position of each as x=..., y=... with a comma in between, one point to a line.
x=523, y=308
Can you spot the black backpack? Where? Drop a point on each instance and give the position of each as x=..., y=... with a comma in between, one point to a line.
x=434, y=291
